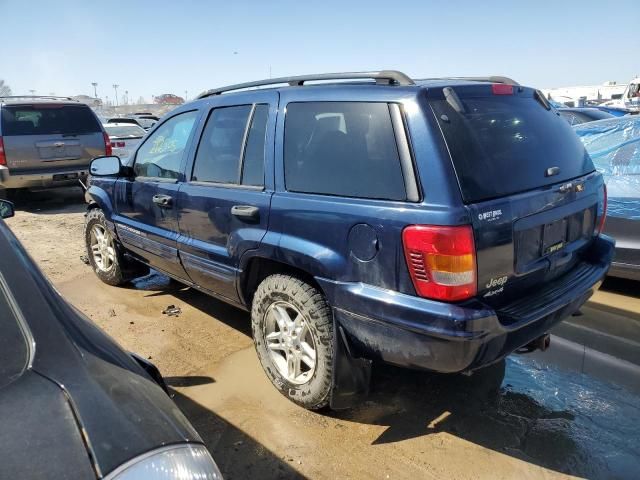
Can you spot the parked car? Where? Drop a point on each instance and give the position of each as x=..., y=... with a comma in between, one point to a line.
x=437, y=224
x=73, y=404
x=576, y=116
x=614, y=146
x=124, y=137
x=142, y=122
x=168, y=99
x=47, y=142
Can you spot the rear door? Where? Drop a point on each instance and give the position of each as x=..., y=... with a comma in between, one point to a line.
x=528, y=182
x=225, y=201
x=146, y=219
x=50, y=136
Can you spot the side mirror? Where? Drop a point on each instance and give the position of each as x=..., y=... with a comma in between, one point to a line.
x=6, y=209
x=105, y=166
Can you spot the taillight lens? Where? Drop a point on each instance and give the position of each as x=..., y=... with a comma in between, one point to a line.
x=108, y=150
x=603, y=214
x=441, y=261
x=3, y=156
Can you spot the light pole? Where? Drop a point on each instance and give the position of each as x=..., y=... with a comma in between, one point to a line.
x=126, y=97
x=186, y=96
x=115, y=87
x=32, y=92
x=95, y=91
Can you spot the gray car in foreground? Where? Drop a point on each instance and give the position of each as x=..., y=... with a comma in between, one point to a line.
x=73, y=404
x=47, y=142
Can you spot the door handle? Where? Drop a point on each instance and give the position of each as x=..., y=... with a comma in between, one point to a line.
x=163, y=201
x=245, y=212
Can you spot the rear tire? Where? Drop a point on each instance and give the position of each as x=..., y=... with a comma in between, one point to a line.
x=292, y=327
x=106, y=255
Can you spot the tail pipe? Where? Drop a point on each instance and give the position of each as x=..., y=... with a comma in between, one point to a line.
x=541, y=343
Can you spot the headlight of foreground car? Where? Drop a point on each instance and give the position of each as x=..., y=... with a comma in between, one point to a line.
x=176, y=462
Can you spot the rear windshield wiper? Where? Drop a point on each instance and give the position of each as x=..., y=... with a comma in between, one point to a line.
x=539, y=96
x=452, y=99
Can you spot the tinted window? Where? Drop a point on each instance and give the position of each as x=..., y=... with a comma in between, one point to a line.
x=48, y=120
x=160, y=156
x=14, y=352
x=218, y=157
x=342, y=148
x=253, y=166
x=504, y=144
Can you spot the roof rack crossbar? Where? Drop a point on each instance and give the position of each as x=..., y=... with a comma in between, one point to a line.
x=384, y=77
x=490, y=79
x=51, y=97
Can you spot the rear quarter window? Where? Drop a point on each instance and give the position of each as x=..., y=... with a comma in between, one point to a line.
x=342, y=148
x=504, y=144
x=50, y=119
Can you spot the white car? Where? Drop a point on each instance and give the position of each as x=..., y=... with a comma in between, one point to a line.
x=124, y=137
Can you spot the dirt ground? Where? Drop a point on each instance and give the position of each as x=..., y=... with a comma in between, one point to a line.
x=414, y=425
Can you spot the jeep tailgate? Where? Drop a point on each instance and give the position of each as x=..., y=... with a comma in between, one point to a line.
x=532, y=191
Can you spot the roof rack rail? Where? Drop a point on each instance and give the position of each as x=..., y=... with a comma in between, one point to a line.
x=384, y=77
x=49, y=97
x=490, y=79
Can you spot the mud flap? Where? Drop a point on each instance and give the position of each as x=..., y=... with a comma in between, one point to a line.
x=351, y=376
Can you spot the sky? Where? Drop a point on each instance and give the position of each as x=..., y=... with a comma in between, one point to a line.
x=155, y=47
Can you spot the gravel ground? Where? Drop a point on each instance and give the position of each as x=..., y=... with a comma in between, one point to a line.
x=540, y=423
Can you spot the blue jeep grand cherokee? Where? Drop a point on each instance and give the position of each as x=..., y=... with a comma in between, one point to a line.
x=438, y=224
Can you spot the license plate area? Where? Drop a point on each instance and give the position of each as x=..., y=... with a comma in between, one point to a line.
x=65, y=176
x=554, y=236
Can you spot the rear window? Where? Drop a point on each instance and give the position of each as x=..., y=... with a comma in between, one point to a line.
x=48, y=120
x=124, y=131
x=504, y=144
x=342, y=148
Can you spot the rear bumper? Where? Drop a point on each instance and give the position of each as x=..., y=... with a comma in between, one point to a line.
x=409, y=331
x=45, y=178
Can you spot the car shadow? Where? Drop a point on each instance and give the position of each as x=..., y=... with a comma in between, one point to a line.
x=622, y=286
x=52, y=201
x=237, y=454
x=477, y=409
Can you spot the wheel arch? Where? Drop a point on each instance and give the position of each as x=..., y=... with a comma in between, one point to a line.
x=257, y=268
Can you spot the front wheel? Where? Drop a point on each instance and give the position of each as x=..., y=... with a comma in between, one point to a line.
x=105, y=255
x=293, y=333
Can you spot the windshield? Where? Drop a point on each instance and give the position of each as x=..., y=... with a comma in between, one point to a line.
x=48, y=119
x=124, y=131
x=14, y=349
x=504, y=144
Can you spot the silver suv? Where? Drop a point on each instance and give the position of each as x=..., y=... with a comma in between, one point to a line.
x=47, y=142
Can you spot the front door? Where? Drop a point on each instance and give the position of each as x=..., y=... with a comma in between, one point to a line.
x=146, y=220
x=224, y=204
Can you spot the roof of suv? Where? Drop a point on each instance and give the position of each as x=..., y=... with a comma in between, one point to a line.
x=383, y=77
x=29, y=99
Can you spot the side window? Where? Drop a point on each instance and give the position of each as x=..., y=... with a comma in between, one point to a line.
x=342, y=148
x=253, y=165
x=161, y=154
x=221, y=157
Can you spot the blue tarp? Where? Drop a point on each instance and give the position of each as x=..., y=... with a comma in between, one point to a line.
x=614, y=147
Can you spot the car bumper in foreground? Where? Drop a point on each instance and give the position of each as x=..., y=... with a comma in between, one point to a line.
x=410, y=331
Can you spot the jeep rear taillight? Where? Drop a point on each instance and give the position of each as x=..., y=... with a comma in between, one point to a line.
x=3, y=156
x=108, y=150
x=441, y=261
x=603, y=214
